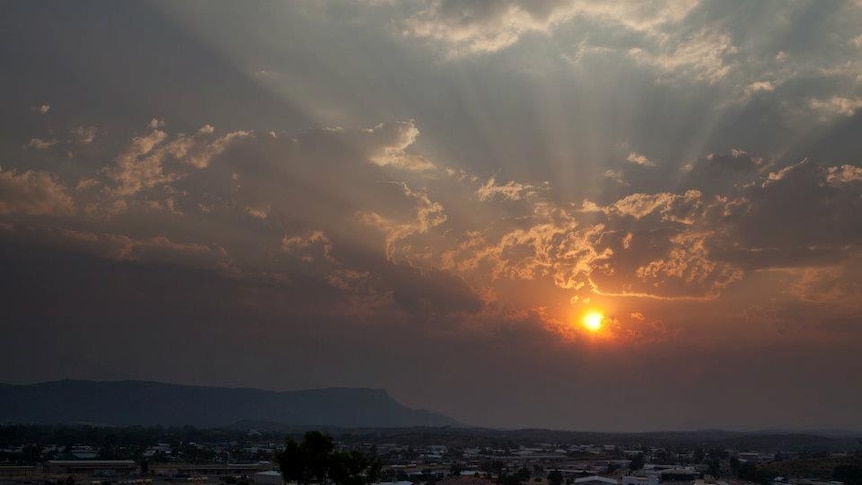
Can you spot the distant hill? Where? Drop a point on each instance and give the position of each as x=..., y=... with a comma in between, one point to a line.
x=125, y=403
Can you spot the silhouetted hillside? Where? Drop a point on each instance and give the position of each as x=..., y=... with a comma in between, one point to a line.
x=153, y=403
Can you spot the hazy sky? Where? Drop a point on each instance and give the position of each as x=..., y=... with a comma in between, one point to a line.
x=428, y=197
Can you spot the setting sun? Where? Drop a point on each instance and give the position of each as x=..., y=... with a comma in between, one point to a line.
x=593, y=321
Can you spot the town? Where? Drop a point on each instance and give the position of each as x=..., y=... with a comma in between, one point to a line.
x=88, y=455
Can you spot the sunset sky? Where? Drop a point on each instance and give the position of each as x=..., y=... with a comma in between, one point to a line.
x=592, y=215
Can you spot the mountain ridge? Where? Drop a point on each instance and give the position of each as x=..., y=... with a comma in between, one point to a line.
x=134, y=402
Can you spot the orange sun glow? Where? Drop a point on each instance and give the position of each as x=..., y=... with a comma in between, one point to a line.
x=593, y=321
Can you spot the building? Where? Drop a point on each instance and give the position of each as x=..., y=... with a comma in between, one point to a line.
x=680, y=474
x=17, y=471
x=651, y=479
x=596, y=480
x=177, y=470
x=102, y=468
x=270, y=477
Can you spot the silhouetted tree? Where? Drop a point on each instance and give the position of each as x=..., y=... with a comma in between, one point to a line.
x=849, y=474
x=734, y=463
x=291, y=463
x=494, y=467
x=31, y=454
x=714, y=466
x=354, y=468
x=749, y=471
x=522, y=475
x=315, y=460
x=316, y=453
x=555, y=477
x=638, y=462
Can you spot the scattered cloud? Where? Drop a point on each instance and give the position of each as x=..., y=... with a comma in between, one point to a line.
x=836, y=106
x=257, y=212
x=427, y=215
x=703, y=56
x=511, y=190
x=303, y=244
x=84, y=135
x=389, y=142
x=33, y=193
x=472, y=28
x=844, y=174
x=760, y=87
x=40, y=144
x=833, y=285
x=691, y=243
x=141, y=166
x=640, y=159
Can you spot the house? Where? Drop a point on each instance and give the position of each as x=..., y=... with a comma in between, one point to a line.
x=596, y=480
x=651, y=479
x=269, y=477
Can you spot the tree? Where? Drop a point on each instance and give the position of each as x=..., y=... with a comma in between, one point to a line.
x=638, y=462
x=522, y=475
x=315, y=460
x=31, y=454
x=291, y=463
x=555, y=477
x=494, y=467
x=751, y=472
x=714, y=466
x=849, y=474
x=734, y=465
x=353, y=468
x=316, y=453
